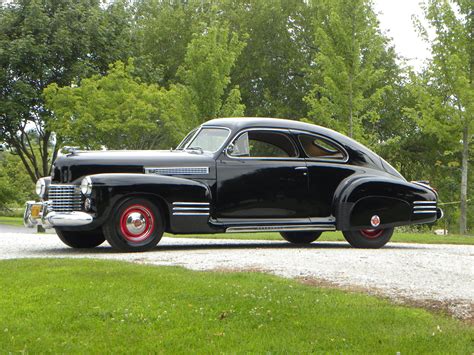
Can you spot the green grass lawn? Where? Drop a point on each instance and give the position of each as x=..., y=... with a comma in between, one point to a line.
x=427, y=238
x=84, y=306
x=11, y=221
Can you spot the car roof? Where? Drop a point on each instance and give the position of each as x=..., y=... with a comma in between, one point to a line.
x=238, y=123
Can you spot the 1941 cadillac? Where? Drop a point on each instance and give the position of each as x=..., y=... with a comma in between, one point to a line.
x=231, y=175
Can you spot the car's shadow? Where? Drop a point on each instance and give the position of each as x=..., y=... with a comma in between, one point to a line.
x=169, y=246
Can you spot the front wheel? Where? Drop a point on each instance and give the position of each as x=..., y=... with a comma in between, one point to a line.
x=300, y=237
x=81, y=240
x=368, y=238
x=135, y=225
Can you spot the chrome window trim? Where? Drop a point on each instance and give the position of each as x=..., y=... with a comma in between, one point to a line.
x=203, y=127
x=324, y=138
x=196, y=130
x=285, y=131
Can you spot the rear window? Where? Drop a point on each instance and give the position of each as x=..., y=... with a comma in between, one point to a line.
x=320, y=148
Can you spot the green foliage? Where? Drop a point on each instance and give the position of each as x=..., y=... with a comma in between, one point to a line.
x=114, y=110
x=209, y=59
x=445, y=91
x=119, y=111
x=44, y=42
x=15, y=184
x=349, y=82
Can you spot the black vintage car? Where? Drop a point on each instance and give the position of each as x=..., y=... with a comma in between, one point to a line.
x=231, y=175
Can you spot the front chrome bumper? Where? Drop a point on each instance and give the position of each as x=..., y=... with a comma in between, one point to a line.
x=51, y=219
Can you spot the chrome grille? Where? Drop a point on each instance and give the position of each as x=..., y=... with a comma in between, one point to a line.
x=64, y=198
x=196, y=170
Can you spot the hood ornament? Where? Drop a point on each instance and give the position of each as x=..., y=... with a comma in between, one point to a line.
x=69, y=150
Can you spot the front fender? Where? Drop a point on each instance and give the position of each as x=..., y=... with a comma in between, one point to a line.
x=359, y=198
x=108, y=189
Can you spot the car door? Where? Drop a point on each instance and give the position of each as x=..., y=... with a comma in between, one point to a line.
x=327, y=168
x=261, y=176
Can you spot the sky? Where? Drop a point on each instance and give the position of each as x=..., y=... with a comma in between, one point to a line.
x=395, y=18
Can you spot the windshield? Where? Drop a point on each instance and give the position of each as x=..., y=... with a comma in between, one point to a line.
x=186, y=139
x=209, y=139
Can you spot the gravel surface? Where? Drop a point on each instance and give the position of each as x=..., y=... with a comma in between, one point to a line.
x=440, y=276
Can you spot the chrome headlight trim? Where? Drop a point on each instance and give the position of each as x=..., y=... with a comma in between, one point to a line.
x=86, y=186
x=40, y=187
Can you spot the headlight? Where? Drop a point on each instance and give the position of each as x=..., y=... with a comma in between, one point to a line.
x=86, y=186
x=41, y=187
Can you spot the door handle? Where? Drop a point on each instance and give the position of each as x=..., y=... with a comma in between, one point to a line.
x=304, y=169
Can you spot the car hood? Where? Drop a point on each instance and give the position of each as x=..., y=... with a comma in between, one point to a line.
x=73, y=167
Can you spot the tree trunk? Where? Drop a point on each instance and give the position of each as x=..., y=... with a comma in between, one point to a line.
x=464, y=177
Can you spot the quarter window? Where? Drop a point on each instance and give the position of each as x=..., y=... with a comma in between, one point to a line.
x=316, y=147
x=263, y=144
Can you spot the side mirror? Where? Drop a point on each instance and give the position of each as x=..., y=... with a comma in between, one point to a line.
x=230, y=149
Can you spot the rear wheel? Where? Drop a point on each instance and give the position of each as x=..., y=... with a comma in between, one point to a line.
x=368, y=238
x=83, y=239
x=135, y=225
x=300, y=237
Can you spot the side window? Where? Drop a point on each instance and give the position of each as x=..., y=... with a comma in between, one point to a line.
x=263, y=144
x=316, y=147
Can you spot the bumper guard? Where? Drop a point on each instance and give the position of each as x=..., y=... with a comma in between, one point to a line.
x=50, y=219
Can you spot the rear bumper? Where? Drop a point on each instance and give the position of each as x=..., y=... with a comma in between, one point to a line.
x=439, y=213
x=50, y=219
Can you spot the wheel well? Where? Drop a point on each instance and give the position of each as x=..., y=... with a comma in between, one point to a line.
x=157, y=201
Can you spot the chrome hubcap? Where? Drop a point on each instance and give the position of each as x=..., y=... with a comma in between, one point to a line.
x=136, y=223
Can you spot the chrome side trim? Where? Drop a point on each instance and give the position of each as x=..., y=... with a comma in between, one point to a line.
x=282, y=228
x=190, y=208
x=427, y=207
x=424, y=202
x=192, y=170
x=424, y=211
x=190, y=214
x=191, y=203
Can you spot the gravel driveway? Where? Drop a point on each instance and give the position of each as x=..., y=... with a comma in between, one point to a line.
x=429, y=275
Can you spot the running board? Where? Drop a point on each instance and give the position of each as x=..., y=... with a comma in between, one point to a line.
x=281, y=228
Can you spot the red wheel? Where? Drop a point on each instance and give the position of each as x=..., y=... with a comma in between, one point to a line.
x=368, y=238
x=136, y=225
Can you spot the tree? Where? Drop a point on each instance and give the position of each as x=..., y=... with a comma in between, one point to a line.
x=445, y=90
x=44, y=42
x=206, y=70
x=119, y=111
x=271, y=70
x=114, y=110
x=348, y=80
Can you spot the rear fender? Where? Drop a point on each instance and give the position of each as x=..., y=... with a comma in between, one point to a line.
x=359, y=198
